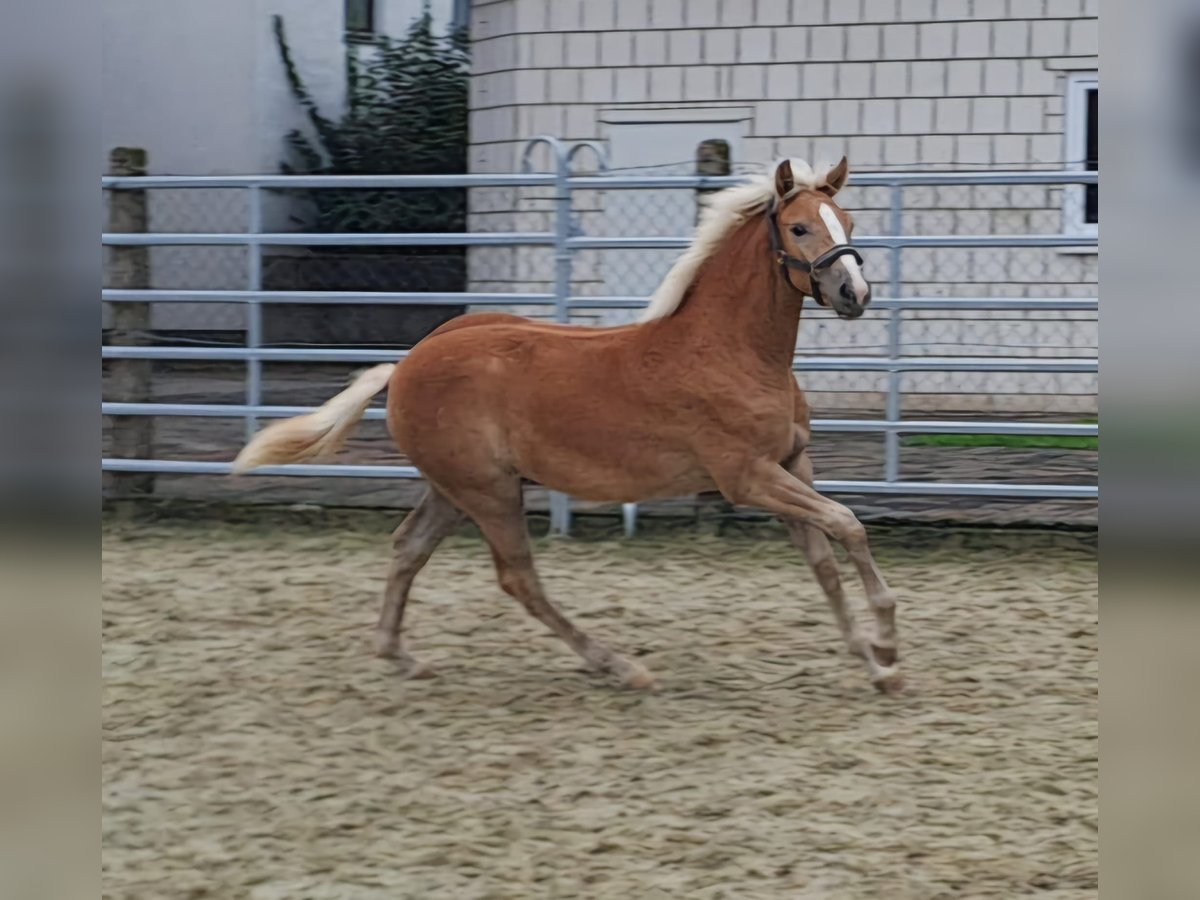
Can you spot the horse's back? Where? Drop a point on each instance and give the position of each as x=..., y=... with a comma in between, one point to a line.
x=496, y=360
x=531, y=326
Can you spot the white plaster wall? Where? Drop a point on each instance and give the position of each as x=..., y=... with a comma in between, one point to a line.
x=169, y=74
x=200, y=87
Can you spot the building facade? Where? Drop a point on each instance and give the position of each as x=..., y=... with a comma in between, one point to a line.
x=895, y=85
x=889, y=82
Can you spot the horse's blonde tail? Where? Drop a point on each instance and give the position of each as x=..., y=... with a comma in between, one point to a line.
x=319, y=433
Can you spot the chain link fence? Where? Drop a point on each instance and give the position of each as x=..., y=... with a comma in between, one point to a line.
x=216, y=210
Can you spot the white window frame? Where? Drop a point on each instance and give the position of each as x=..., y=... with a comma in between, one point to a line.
x=1075, y=151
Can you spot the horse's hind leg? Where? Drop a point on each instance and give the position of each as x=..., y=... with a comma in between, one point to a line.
x=413, y=543
x=502, y=521
x=814, y=543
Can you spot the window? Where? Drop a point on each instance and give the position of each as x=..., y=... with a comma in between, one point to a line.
x=360, y=19
x=461, y=15
x=1081, y=203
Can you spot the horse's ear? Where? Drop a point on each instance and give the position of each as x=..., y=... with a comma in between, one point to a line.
x=836, y=179
x=784, y=180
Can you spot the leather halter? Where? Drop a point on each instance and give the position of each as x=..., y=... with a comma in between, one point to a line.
x=824, y=261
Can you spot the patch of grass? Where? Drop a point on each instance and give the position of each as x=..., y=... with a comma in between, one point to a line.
x=1022, y=441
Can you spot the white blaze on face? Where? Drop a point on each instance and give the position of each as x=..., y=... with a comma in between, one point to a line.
x=834, y=224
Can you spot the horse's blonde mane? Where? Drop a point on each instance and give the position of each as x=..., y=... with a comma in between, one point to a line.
x=724, y=214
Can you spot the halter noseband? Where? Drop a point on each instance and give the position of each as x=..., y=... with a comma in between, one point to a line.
x=824, y=261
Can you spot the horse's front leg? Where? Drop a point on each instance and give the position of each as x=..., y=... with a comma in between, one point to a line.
x=815, y=546
x=766, y=484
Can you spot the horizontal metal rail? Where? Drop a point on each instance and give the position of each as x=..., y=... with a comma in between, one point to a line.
x=217, y=410
x=951, y=426
x=1048, y=304
x=184, y=467
x=310, y=239
x=541, y=238
x=804, y=364
x=962, y=489
x=577, y=182
x=332, y=297
x=241, y=354
x=1028, y=304
x=1049, y=177
x=963, y=241
x=193, y=467
x=303, y=182
x=905, y=426
x=857, y=179
x=943, y=364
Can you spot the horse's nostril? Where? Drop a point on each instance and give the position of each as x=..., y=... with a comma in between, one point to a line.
x=847, y=292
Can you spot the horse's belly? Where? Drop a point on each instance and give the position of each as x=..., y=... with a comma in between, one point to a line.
x=621, y=472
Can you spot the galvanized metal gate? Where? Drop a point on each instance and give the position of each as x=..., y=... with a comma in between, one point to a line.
x=567, y=239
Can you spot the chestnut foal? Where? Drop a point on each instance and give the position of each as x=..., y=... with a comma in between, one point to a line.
x=698, y=395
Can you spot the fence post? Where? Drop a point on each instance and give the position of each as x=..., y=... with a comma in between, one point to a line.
x=891, y=440
x=130, y=379
x=712, y=159
x=254, y=310
x=560, y=504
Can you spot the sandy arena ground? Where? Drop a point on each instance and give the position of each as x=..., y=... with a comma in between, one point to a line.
x=253, y=748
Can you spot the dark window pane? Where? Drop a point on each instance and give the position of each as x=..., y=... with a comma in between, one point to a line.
x=360, y=16
x=1188, y=106
x=461, y=17
x=1091, y=204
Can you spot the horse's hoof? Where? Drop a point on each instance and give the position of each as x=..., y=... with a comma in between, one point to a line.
x=638, y=679
x=387, y=647
x=885, y=656
x=419, y=671
x=889, y=682
x=408, y=666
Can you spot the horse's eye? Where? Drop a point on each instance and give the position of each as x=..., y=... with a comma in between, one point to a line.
x=799, y=230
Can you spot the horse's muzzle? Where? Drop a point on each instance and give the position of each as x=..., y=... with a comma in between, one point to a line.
x=847, y=303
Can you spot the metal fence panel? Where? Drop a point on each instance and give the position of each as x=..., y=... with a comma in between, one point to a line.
x=979, y=292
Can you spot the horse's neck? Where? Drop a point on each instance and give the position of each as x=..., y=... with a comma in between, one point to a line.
x=739, y=300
